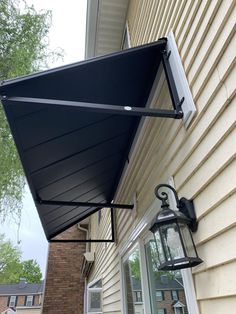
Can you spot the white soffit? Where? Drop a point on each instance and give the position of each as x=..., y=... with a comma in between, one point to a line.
x=105, y=26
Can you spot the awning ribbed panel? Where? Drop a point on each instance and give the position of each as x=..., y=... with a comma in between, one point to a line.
x=73, y=155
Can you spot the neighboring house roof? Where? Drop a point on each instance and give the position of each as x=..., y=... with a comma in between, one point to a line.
x=105, y=26
x=161, y=284
x=16, y=289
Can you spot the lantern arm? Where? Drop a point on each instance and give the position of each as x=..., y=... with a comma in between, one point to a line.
x=163, y=196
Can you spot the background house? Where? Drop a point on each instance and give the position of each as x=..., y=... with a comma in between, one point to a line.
x=21, y=298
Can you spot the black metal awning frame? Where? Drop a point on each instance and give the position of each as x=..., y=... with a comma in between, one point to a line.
x=175, y=113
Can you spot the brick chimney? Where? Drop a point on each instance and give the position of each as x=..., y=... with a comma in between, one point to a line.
x=64, y=288
x=22, y=283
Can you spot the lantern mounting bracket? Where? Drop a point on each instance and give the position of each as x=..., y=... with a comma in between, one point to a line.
x=184, y=205
x=187, y=208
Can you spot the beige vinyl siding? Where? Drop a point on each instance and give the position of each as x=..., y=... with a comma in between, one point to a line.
x=201, y=159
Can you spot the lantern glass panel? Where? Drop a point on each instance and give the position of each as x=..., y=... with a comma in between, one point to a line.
x=187, y=239
x=171, y=241
x=160, y=257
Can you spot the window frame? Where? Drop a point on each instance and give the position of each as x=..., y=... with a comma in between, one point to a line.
x=10, y=301
x=27, y=300
x=162, y=296
x=172, y=295
x=90, y=290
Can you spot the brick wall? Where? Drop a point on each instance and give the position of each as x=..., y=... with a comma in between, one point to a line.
x=3, y=303
x=64, y=290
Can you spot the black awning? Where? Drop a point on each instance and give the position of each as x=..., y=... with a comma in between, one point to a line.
x=73, y=155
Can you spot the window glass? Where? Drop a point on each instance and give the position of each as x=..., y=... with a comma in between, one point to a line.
x=163, y=284
x=12, y=301
x=174, y=295
x=159, y=295
x=29, y=300
x=95, y=297
x=133, y=285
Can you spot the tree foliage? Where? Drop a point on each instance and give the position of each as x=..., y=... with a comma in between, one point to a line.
x=11, y=266
x=23, y=49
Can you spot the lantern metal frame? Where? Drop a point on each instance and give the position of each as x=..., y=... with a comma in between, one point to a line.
x=185, y=215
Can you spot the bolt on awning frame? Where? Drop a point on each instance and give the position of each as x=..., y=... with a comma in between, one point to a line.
x=91, y=108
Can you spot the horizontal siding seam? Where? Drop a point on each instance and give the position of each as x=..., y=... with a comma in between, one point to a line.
x=208, y=155
x=216, y=298
x=203, y=187
x=109, y=287
x=111, y=294
x=179, y=30
x=203, y=134
x=195, y=31
x=191, y=16
x=215, y=66
x=203, y=270
x=215, y=235
x=201, y=40
x=112, y=302
x=210, y=209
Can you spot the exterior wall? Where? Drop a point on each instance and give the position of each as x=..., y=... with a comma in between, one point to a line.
x=3, y=303
x=20, y=301
x=201, y=159
x=28, y=311
x=64, y=290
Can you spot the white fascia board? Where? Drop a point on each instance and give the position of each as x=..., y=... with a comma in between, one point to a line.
x=179, y=76
x=91, y=28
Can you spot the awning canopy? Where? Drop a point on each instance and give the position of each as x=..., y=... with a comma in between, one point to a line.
x=72, y=140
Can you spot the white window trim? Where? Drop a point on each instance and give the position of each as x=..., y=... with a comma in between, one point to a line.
x=91, y=283
x=137, y=237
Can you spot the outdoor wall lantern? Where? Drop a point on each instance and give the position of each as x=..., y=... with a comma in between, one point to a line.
x=172, y=232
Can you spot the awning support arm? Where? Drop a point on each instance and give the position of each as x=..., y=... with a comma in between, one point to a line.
x=112, y=109
x=84, y=204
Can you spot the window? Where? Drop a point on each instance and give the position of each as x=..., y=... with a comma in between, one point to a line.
x=132, y=281
x=94, y=296
x=12, y=301
x=174, y=294
x=161, y=311
x=29, y=300
x=159, y=295
x=138, y=297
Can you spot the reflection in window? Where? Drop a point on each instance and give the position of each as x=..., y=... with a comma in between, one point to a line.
x=133, y=286
x=166, y=288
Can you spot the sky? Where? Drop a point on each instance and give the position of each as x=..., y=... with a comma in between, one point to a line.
x=67, y=32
